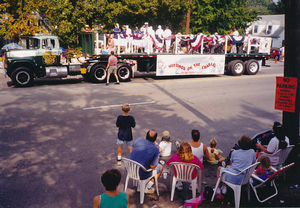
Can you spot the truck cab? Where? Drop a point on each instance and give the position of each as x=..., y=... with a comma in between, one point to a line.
x=40, y=53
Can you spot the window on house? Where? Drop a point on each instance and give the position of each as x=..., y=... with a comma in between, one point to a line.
x=269, y=29
x=255, y=29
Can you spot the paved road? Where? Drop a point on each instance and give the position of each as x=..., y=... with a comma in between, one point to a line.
x=58, y=137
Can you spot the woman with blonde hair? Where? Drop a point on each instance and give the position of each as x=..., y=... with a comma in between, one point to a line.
x=185, y=155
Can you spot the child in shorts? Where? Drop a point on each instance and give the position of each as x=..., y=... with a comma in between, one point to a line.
x=165, y=146
x=125, y=122
x=214, y=154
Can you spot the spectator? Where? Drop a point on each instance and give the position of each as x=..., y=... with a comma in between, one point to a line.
x=125, y=122
x=263, y=170
x=279, y=141
x=111, y=198
x=214, y=154
x=185, y=155
x=112, y=67
x=147, y=154
x=239, y=160
x=165, y=146
x=198, y=148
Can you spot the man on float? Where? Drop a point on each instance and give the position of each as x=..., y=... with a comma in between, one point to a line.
x=167, y=35
x=145, y=31
x=129, y=39
x=160, y=33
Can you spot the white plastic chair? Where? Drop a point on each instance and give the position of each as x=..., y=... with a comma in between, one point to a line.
x=184, y=172
x=237, y=188
x=282, y=155
x=133, y=168
x=271, y=179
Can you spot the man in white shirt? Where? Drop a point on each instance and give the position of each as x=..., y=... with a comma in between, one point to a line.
x=160, y=33
x=167, y=33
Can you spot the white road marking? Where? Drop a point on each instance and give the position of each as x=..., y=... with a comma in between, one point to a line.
x=110, y=106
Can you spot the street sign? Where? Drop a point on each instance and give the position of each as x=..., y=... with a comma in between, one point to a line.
x=285, y=97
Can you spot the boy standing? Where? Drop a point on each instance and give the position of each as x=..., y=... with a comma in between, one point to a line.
x=125, y=122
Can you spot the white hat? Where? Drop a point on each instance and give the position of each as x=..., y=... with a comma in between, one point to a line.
x=146, y=23
x=247, y=32
x=159, y=26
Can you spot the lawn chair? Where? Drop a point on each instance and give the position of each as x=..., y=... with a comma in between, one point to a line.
x=271, y=180
x=184, y=172
x=237, y=188
x=282, y=155
x=133, y=168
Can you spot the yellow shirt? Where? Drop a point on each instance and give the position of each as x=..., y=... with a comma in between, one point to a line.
x=212, y=156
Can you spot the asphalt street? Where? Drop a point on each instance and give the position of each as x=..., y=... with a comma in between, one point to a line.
x=59, y=136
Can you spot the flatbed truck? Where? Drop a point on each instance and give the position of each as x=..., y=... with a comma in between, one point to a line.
x=42, y=58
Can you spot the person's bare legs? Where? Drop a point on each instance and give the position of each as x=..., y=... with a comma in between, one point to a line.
x=130, y=149
x=108, y=76
x=120, y=147
x=116, y=77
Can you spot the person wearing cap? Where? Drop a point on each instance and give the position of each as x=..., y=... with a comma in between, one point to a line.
x=217, y=45
x=145, y=152
x=116, y=31
x=247, y=41
x=87, y=28
x=165, y=146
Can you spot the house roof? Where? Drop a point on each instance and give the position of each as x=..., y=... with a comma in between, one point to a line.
x=270, y=20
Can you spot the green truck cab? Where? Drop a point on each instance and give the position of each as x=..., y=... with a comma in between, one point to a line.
x=39, y=58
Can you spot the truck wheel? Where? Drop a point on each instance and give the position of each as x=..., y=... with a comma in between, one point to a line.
x=22, y=77
x=124, y=73
x=98, y=73
x=237, y=67
x=251, y=67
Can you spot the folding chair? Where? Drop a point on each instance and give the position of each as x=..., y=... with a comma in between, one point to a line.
x=237, y=188
x=133, y=168
x=184, y=172
x=270, y=179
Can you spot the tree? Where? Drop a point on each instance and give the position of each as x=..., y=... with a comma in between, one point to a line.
x=209, y=16
x=17, y=17
x=266, y=7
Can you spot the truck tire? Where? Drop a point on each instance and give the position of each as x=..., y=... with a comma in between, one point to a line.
x=237, y=67
x=124, y=73
x=98, y=74
x=22, y=77
x=251, y=67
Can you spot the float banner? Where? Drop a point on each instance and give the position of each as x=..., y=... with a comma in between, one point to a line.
x=189, y=64
x=285, y=96
x=265, y=45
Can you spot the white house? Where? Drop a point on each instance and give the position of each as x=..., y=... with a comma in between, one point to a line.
x=269, y=26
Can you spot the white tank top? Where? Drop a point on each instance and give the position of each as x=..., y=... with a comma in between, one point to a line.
x=198, y=152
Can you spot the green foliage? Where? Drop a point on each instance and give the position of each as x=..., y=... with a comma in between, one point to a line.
x=266, y=7
x=17, y=17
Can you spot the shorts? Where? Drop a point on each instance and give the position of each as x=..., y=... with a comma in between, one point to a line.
x=158, y=168
x=112, y=69
x=128, y=143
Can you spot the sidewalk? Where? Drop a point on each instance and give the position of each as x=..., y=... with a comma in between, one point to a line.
x=286, y=197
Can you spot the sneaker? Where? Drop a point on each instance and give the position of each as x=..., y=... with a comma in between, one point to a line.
x=149, y=190
x=224, y=190
x=107, y=83
x=119, y=162
x=117, y=82
x=177, y=144
x=179, y=186
x=223, y=163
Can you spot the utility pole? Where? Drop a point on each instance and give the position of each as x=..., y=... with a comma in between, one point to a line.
x=188, y=19
x=292, y=69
